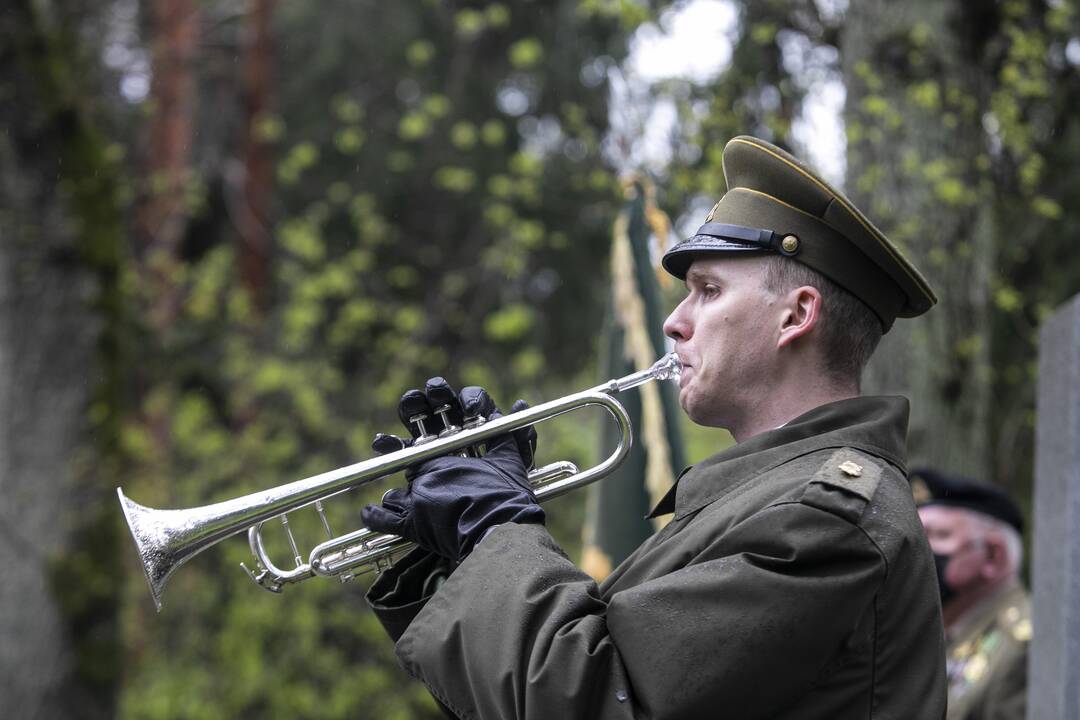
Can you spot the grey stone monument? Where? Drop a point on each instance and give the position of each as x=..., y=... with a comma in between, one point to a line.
x=1054, y=663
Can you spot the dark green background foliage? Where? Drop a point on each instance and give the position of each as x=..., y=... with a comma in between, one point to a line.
x=420, y=229
x=441, y=204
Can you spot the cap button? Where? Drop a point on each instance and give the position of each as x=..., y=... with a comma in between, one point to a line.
x=790, y=244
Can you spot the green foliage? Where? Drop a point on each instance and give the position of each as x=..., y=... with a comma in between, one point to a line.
x=755, y=95
x=413, y=213
x=980, y=199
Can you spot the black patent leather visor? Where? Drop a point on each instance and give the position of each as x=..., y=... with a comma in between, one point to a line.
x=721, y=237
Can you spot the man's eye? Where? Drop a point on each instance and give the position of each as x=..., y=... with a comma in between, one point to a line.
x=710, y=290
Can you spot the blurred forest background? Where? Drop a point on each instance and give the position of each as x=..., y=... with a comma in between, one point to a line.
x=234, y=231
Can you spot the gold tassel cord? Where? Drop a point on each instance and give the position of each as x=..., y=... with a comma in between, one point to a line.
x=638, y=350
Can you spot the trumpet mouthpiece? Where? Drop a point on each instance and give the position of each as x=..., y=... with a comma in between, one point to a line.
x=667, y=368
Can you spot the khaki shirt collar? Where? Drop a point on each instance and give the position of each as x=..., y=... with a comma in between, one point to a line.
x=873, y=424
x=984, y=613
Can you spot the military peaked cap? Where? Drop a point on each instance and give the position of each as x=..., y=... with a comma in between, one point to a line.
x=931, y=487
x=775, y=203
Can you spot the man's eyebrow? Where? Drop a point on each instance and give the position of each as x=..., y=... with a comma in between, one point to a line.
x=694, y=275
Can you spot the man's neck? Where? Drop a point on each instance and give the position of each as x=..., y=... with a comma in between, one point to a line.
x=786, y=403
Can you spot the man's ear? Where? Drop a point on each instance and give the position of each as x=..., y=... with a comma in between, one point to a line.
x=801, y=312
x=996, y=565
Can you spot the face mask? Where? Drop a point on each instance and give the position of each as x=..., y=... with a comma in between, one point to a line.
x=940, y=563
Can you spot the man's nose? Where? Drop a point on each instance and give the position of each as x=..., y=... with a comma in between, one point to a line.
x=677, y=326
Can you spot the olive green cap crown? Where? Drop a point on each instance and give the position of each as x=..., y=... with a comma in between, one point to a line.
x=775, y=203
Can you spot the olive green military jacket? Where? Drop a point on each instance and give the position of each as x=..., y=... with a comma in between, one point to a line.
x=987, y=658
x=794, y=581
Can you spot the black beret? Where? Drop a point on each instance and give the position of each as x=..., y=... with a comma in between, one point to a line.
x=775, y=203
x=930, y=487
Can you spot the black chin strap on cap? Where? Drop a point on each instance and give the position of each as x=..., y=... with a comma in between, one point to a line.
x=788, y=244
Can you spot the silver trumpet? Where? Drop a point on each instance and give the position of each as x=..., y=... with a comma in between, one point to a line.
x=166, y=539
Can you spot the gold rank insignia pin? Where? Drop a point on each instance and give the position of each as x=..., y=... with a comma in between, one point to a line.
x=850, y=468
x=920, y=491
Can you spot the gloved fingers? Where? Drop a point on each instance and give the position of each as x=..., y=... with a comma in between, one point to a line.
x=497, y=442
x=525, y=437
x=385, y=444
x=440, y=394
x=383, y=520
x=396, y=500
x=503, y=452
x=424, y=467
x=476, y=401
x=413, y=403
x=455, y=500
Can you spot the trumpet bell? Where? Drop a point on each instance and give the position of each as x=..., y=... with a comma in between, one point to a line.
x=156, y=542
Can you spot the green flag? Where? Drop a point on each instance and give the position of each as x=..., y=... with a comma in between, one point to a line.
x=633, y=339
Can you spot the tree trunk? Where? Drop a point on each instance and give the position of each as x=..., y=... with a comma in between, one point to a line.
x=258, y=162
x=46, y=348
x=162, y=212
x=59, y=298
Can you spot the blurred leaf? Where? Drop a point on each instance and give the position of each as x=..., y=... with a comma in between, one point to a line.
x=420, y=53
x=510, y=323
x=527, y=53
x=414, y=125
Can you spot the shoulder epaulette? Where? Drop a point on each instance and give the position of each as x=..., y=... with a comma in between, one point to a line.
x=844, y=484
x=1017, y=620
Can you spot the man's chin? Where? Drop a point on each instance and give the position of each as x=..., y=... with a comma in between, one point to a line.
x=700, y=413
x=693, y=410
x=684, y=401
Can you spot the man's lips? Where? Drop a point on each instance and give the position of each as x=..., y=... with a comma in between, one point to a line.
x=683, y=372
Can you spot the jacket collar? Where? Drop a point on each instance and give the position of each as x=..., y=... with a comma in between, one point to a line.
x=876, y=425
x=984, y=613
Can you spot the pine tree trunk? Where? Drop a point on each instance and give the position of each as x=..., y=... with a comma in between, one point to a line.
x=162, y=212
x=258, y=163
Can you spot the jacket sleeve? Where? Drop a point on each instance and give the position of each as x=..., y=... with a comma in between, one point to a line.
x=744, y=628
x=403, y=590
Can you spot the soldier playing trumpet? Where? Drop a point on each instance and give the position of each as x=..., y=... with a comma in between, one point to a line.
x=794, y=579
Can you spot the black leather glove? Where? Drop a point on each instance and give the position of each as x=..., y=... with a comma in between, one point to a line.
x=470, y=402
x=451, y=501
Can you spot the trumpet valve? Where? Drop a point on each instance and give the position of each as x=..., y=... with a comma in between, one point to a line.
x=474, y=421
x=449, y=428
x=424, y=436
x=471, y=422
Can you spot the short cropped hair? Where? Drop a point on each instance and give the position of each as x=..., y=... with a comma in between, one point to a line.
x=850, y=331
